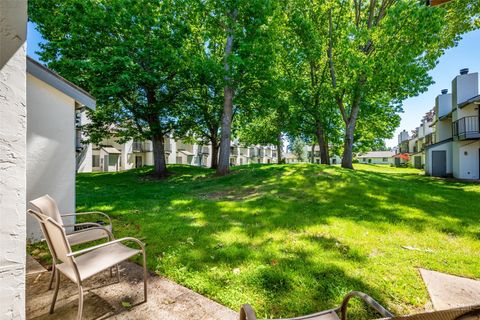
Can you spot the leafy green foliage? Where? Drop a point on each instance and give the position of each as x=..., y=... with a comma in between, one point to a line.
x=298, y=149
x=131, y=55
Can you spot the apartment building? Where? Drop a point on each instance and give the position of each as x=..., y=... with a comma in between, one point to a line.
x=315, y=155
x=376, y=157
x=111, y=156
x=456, y=151
x=53, y=106
x=83, y=150
x=451, y=145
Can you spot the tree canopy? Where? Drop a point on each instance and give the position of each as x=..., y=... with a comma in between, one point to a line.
x=330, y=71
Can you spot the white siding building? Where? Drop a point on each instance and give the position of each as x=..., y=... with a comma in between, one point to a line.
x=52, y=103
x=376, y=157
x=452, y=147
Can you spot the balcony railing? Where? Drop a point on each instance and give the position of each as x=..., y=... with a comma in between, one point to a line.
x=184, y=147
x=466, y=128
x=430, y=139
x=142, y=146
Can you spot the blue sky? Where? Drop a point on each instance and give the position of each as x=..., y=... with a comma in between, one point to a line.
x=465, y=55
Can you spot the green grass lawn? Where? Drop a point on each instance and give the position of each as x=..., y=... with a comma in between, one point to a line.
x=293, y=239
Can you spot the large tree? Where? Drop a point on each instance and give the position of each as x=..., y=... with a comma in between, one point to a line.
x=380, y=52
x=199, y=119
x=244, y=29
x=130, y=54
x=315, y=114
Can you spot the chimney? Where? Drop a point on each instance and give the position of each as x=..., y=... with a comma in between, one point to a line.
x=443, y=104
x=464, y=87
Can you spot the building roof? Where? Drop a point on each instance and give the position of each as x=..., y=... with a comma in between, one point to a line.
x=471, y=100
x=58, y=82
x=188, y=153
x=289, y=155
x=377, y=154
x=111, y=150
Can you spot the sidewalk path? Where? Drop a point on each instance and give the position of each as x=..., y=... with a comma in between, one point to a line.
x=447, y=291
x=107, y=299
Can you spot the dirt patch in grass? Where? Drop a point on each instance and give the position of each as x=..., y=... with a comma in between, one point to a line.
x=232, y=194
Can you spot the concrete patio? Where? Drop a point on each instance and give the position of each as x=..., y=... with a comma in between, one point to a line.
x=107, y=299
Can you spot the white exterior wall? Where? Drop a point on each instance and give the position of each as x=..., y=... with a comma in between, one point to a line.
x=86, y=164
x=468, y=155
x=421, y=131
x=13, y=17
x=443, y=105
x=376, y=160
x=455, y=159
x=467, y=111
x=411, y=144
x=443, y=130
x=51, y=148
x=441, y=147
x=464, y=87
x=128, y=159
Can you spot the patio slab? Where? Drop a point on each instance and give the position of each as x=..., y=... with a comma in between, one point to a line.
x=447, y=291
x=105, y=298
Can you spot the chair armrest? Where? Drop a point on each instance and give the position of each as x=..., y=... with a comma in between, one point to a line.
x=109, y=233
x=76, y=253
x=88, y=213
x=367, y=299
x=247, y=313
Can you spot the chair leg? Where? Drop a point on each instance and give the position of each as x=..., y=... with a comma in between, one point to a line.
x=144, y=276
x=80, y=302
x=118, y=272
x=55, y=294
x=54, y=269
x=111, y=273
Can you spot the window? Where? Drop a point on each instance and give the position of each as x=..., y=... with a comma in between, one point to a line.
x=95, y=161
x=364, y=160
x=384, y=159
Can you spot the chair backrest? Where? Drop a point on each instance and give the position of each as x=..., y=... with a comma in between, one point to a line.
x=55, y=236
x=58, y=240
x=40, y=218
x=47, y=206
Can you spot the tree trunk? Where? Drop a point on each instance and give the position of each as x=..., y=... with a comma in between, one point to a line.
x=223, y=167
x=347, y=158
x=159, y=155
x=279, y=149
x=214, y=163
x=322, y=143
x=313, y=153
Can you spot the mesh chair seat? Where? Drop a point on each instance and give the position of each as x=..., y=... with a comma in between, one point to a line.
x=90, y=263
x=87, y=235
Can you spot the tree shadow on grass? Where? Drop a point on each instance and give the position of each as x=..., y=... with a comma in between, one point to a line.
x=284, y=268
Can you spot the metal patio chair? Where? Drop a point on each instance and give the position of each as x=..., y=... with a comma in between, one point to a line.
x=83, y=264
x=340, y=313
x=82, y=232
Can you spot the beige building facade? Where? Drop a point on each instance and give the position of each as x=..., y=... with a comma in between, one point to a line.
x=52, y=104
